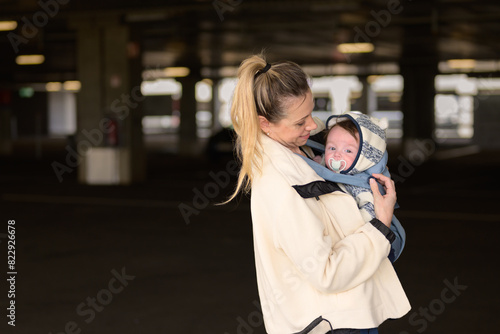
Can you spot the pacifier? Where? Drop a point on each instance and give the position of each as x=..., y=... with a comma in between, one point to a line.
x=337, y=165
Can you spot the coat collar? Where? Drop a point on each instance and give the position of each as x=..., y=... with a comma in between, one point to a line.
x=294, y=169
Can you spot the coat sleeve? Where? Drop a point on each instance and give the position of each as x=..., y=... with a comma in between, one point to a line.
x=316, y=237
x=400, y=240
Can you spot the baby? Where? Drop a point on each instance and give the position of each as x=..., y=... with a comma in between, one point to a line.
x=356, y=146
x=342, y=146
x=354, y=143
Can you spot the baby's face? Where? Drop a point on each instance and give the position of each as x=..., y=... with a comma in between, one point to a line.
x=341, y=145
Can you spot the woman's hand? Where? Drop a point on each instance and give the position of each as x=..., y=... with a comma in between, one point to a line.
x=384, y=204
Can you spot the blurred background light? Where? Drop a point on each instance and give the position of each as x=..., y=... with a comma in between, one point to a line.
x=53, y=86
x=203, y=91
x=72, y=85
x=26, y=92
x=355, y=47
x=461, y=63
x=176, y=72
x=30, y=59
x=8, y=25
x=161, y=87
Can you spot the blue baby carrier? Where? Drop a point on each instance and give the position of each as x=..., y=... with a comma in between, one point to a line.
x=361, y=180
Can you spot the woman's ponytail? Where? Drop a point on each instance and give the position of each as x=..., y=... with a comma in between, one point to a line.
x=262, y=90
x=245, y=119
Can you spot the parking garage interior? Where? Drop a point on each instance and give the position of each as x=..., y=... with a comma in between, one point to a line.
x=116, y=146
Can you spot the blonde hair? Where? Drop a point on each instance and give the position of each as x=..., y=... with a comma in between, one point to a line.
x=261, y=94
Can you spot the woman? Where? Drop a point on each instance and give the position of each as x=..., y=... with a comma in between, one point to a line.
x=315, y=255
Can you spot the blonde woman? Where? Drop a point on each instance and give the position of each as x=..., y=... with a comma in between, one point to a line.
x=318, y=263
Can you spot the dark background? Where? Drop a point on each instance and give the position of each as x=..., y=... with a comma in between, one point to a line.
x=198, y=276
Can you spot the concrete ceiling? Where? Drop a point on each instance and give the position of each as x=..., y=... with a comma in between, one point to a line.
x=217, y=33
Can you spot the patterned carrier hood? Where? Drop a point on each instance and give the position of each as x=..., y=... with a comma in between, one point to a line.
x=372, y=140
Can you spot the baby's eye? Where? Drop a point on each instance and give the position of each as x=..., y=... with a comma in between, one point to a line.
x=331, y=148
x=348, y=151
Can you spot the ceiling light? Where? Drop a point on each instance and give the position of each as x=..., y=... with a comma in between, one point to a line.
x=176, y=72
x=461, y=63
x=355, y=47
x=8, y=25
x=53, y=86
x=72, y=85
x=30, y=59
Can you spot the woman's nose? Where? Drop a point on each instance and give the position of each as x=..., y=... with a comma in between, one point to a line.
x=311, y=125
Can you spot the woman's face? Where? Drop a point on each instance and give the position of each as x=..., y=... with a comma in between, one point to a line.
x=293, y=130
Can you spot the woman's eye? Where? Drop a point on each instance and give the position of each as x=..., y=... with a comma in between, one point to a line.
x=301, y=123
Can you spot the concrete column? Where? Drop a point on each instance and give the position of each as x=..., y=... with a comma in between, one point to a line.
x=5, y=131
x=188, y=138
x=216, y=126
x=418, y=100
x=368, y=99
x=5, y=123
x=109, y=136
x=419, y=67
x=138, y=157
x=487, y=122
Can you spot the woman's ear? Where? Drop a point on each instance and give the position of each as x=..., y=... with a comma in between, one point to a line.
x=264, y=124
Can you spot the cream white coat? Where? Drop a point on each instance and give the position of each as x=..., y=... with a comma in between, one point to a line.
x=317, y=256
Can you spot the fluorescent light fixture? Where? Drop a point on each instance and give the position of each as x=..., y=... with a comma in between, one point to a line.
x=176, y=72
x=30, y=59
x=461, y=63
x=53, y=86
x=161, y=87
x=355, y=47
x=8, y=25
x=72, y=85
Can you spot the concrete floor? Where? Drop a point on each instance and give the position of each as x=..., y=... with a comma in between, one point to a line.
x=114, y=259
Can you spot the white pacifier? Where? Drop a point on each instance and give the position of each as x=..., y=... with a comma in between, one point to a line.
x=337, y=165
